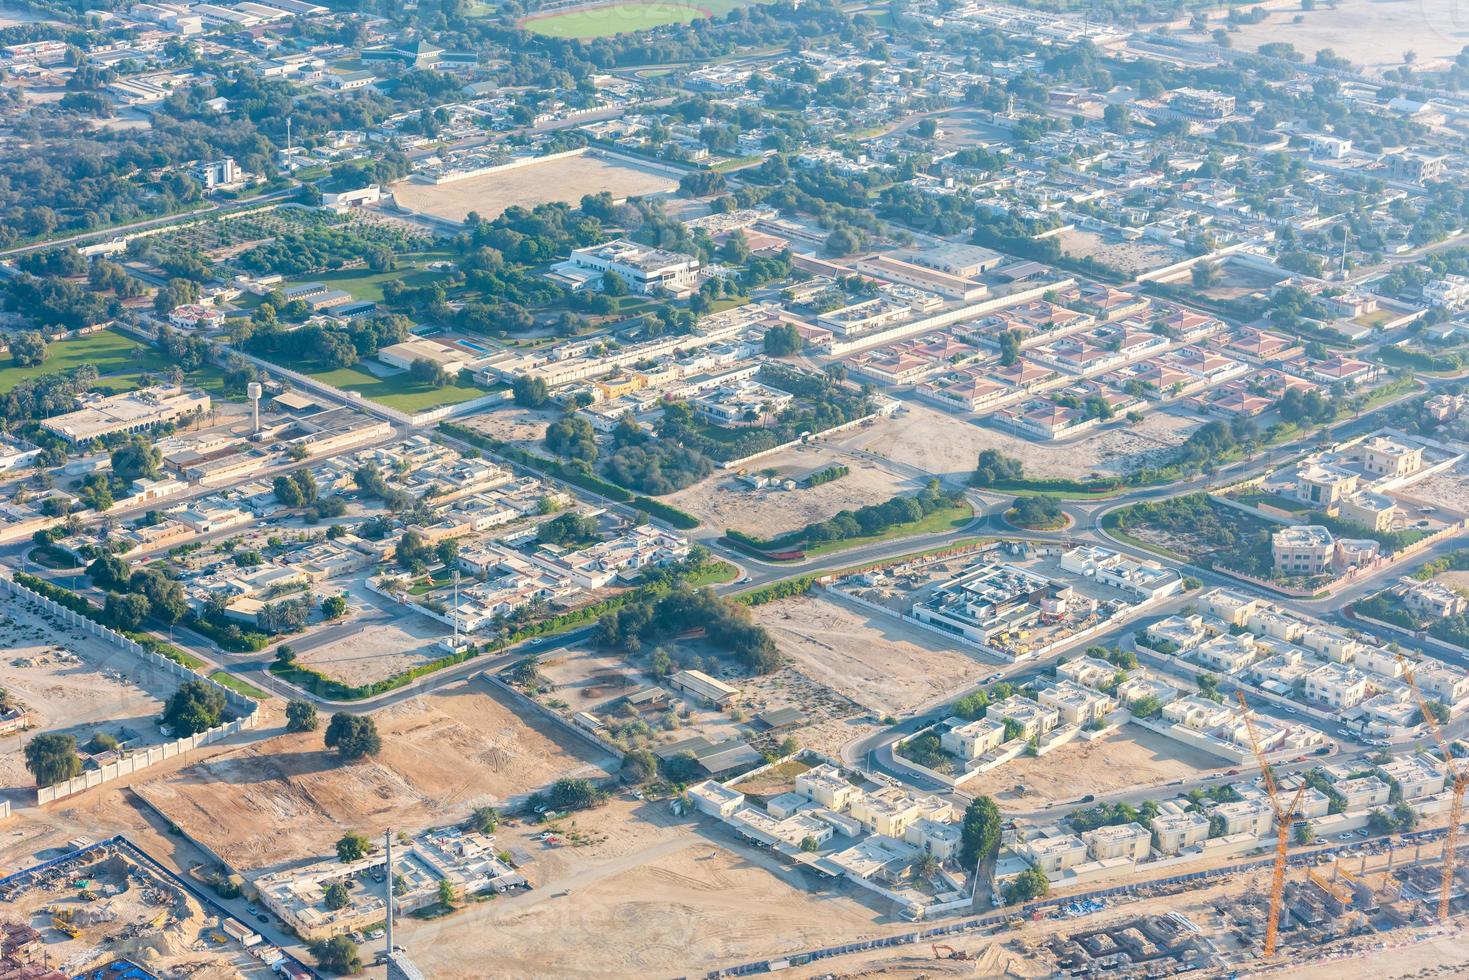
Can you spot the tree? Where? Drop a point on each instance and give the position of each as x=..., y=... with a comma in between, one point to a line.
x=337, y=954
x=1030, y=884
x=353, y=736
x=809, y=844
x=109, y=571
x=531, y=391
x=428, y=372
x=136, y=459
x=995, y=468
x=1036, y=511
x=354, y=846
x=52, y=758
x=972, y=707
x=485, y=819
x=782, y=339
x=335, y=896
x=28, y=348
x=1115, y=117
x=301, y=716
x=1305, y=834
x=980, y=834
x=1009, y=349
x=638, y=766
x=446, y=893
x=842, y=242
x=125, y=611
x=334, y=607
x=195, y=707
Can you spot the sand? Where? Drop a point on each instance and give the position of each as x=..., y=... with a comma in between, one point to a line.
x=511, y=423
x=378, y=650
x=559, y=180
x=948, y=446
x=879, y=662
x=1131, y=758
x=287, y=799
x=1130, y=258
x=724, y=501
x=1373, y=34
x=688, y=908
x=73, y=684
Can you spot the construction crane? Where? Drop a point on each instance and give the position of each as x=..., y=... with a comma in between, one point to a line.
x=1459, y=780
x=1283, y=816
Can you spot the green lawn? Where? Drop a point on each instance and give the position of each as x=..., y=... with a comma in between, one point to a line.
x=238, y=685
x=364, y=284
x=717, y=573
x=607, y=20
x=120, y=360
x=947, y=519
x=398, y=391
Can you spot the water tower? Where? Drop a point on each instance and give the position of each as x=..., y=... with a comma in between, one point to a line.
x=253, y=390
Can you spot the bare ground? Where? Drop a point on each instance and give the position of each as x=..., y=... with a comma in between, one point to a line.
x=378, y=650
x=946, y=445
x=684, y=907
x=1129, y=257
x=74, y=684
x=1372, y=33
x=1130, y=758
x=559, y=180
x=883, y=664
x=724, y=501
x=287, y=799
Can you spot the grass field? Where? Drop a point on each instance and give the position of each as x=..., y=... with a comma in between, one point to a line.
x=238, y=685
x=947, y=519
x=398, y=391
x=364, y=284
x=609, y=19
x=120, y=360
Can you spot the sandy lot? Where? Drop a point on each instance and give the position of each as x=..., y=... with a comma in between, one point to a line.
x=1449, y=491
x=1370, y=33
x=723, y=501
x=511, y=423
x=1128, y=257
x=685, y=906
x=74, y=684
x=378, y=650
x=883, y=664
x=1127, y=759
x=944, y=445
x=287, y=799
x=560, y=180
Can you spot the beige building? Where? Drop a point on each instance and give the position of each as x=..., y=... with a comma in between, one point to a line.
x=1055, y=854
x=1390, y=458
x=1129, y=840
x=1176, y=832
x=889, y=811
x=973, y=739
x=826, y=785
x=1304, y=549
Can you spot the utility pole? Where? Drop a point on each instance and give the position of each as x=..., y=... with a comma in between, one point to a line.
x=388, y=840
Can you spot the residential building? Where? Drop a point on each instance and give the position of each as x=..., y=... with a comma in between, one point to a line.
x=1303, y=550
x=1054, y=855
x=1175, y=832
x=1129, y=840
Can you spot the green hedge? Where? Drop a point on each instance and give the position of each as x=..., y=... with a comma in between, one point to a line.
x=569, y=474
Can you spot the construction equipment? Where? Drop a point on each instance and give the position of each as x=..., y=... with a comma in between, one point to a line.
x=952, y=954
x=1341, y=893
x=1459, y=780
x=1283, y=816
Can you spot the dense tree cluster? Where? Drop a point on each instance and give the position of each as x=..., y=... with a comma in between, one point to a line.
x=726, y=624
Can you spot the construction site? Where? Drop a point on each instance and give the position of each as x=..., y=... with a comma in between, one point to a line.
x=108, y=908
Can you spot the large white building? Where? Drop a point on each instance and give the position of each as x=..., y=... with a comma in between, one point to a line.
x=646, y=270
x=135, y=411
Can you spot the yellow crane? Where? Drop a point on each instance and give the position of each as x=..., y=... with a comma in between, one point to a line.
x=1283, y=816
x=1458, y=781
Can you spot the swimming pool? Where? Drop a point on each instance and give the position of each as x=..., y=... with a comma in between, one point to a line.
x=473, y=346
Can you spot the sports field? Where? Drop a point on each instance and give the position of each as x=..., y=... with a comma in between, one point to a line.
x=566, y=179
x=608, y=19
x=398, y=390
x=120, y=361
